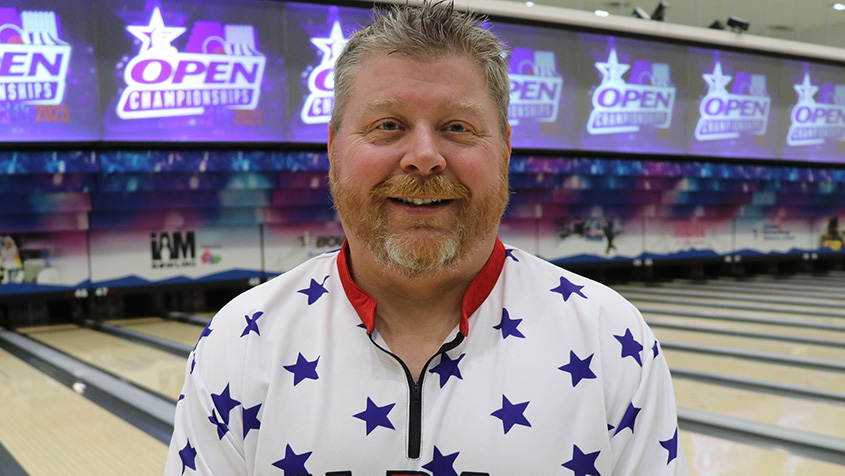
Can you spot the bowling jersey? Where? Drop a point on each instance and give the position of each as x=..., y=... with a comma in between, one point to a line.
x=547, y=373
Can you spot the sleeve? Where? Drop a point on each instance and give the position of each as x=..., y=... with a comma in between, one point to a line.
x=646, y=439
x=208, y=419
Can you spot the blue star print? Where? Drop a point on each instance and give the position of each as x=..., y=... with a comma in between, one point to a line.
x=293, y=464
x=509, y=254
x=671, y=446
x=655, y=349
x=303, y=369
x=188, y=455
x=252, y=324
x=511, y=414
x=630, y=347
x=628, y=419
x=250, y=416
x=206, y=331
x=314, y=291
x=509, y=326
x=442, y=465
x=222, y=428
x=224, y=403
x=578, y=369
x=582, y=464
x=447, y=368
x=566, y=288
x=375, y=416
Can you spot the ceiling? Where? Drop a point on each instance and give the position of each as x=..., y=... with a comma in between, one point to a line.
x=808, y=21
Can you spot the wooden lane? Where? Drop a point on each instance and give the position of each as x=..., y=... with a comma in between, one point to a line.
x=703, y=311
x=51, y=430
x=716, y=325
x=798, y=376
x=182, y=333
x=149, y=368
x=711, y=456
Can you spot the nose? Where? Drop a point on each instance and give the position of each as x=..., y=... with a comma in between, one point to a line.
x=423, y=156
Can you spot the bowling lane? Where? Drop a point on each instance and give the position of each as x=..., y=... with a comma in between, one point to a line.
x=735, y=367
x=149, y=368
x=735, y=293
x=748, y=343
x=787, y=412
x=716, y=325
x=51, y=430
x=684, y=309
x=711, y=456
x=719, y=302
x=179, y=332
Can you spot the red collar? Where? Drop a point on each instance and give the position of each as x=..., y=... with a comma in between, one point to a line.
x=477, y=292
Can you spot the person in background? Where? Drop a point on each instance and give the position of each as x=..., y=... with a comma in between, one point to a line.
x=10, y=262
x=425, y=346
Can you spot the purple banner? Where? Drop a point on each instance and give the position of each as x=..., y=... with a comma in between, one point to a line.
x=542, y=77
x=189, y=71
x=316, y=34
x=635, y=97
x=736, y=113
x=814, y=126
x=48, y=83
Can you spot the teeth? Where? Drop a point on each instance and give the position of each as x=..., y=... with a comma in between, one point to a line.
x=421, y=201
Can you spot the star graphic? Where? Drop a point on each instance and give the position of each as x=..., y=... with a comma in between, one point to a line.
x=509, y=326
x=511, y=414
x=717, y=81
x=442, y=465
x=611, y=71
x=630, y=347
x=655, y=349
x=193, y=363
x=293, y=464
x=610, y=427
x=222, y=428
x=566, y=288
x=376, y=416
x=303, y=369
x=224, y=403
x=252, y=324
x=628, y=419
x=671, y=446
x=509, y=254
x=578, y=369
x=447, y=368
x=206, y=331
x=582, y=464
x=314, y=291
x=155, y=35
x=806, y=90
x=188, y=455
x=331, y=46
x=250, y=416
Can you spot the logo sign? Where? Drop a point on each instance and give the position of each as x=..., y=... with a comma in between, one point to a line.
x=33, y=60
x=620, y=107
x=536, y=86
x=812, y=123
x=318, y=106
x=725, y=115
x=173, y=250
x=223, y=70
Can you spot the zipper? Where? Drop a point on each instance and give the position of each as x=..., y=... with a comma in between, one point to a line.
x=415, y=406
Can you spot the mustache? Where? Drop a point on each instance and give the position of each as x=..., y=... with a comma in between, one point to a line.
x=437, y=186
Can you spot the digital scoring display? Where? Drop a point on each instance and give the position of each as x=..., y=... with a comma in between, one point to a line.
x=815, y=99
x=735, y=109
x=191, y=71
x=633, y=99
x=543, y=97
x=316, y=35
x=48, y=85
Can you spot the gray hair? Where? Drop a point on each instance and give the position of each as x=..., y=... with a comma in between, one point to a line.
x=429, y=31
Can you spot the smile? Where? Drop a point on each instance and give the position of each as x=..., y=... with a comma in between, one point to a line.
x=421, y=201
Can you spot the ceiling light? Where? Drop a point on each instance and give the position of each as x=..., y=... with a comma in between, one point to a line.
x=602, y=13
x=838, y=7
x=529, y=4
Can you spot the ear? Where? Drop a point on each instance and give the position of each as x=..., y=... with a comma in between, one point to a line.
x=508, y=132
x=331, y=139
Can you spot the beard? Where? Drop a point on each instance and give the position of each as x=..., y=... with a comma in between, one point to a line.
x=419, y=247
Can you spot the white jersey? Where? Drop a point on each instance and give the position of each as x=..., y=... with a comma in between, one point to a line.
x=547, y=373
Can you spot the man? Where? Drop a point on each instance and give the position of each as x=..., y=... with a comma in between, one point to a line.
x=425, y=346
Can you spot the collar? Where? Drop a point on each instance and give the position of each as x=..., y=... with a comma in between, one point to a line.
x=477, y=292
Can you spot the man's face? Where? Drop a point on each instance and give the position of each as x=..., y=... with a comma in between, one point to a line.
x=419, y=165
